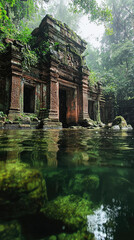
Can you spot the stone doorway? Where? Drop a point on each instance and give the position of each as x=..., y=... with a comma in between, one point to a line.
x=62, y=107
x=67, y=105
x=91, y=109
x=29, y=99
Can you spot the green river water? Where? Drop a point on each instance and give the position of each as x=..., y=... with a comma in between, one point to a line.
x=95, y=166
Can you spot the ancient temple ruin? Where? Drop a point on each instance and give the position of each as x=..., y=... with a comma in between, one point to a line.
x=58, y=89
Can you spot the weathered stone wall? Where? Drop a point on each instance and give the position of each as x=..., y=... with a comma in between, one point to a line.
x=62, y=70
x=65, y=68
x=5, y=81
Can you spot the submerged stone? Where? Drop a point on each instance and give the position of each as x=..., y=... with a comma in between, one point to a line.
x=10, y=230
x=79, y=235
x=22, y=190
x=71, y=211
x=81, y=183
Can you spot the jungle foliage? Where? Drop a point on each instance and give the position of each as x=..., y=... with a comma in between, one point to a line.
x=19, y=17
x=113, y=64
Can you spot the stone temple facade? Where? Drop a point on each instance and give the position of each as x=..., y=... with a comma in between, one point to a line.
x=58, y=89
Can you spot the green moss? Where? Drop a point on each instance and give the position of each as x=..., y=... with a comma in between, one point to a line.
x=52, y=238
x=22, y=190
x=84, y=184
x=71, y=210
x=91, y=181
x=79, y=235
x=119, y=120
x=74, y=36
x=2, y=114
x=10, y=230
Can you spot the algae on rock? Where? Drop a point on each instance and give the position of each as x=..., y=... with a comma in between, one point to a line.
x=81, y=183
x=71, y=211
x=22, y=190
x=119, y=120
x=10, y=230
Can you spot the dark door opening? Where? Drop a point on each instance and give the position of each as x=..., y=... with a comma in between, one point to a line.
x=91, y=109
x=29, y=99
x=62, y=107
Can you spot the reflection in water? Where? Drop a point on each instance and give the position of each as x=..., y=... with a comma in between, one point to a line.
x=96, y=167
x=103, y=222
x=96, y=224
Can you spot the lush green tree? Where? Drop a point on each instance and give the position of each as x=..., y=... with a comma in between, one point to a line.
x=94, y=11
x=12, y=12
x=114, y=63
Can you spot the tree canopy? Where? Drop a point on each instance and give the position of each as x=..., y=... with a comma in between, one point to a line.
x=94, y=11
x=113, y=64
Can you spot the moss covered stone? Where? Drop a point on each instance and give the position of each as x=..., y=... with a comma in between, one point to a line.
x=71, y=211
x=10, y=230
x=81, y=183
x=119, y=120
x=22, y=190
x=79, y=235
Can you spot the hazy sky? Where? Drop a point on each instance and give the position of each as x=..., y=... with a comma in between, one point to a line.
x=91, y=32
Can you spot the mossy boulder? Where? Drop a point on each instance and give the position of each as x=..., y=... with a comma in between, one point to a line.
x=91, y=182
x=119, y=121
x=79, y=235
x=10, y=230
x=70, y=211
x=22, y=190
x=83, y=183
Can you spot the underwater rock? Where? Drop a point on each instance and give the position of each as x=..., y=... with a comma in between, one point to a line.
x=91, y=181
x=22, y=190
x=81, y=183
x=10, y=230
x=79, y=235
x=52, y=238
x=71, y=211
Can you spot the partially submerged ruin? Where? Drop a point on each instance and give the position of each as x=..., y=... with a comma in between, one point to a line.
x=58, y=88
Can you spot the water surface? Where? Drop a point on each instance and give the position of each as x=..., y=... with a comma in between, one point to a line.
x=95, y=165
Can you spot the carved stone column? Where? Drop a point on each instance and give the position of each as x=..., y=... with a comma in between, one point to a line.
x=15, y=84
x=52, y=120
x=53, y=94
x=85, y=87
x=97, y=104
x=53, y=111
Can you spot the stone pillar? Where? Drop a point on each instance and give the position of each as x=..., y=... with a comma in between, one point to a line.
x=52, y=119
x=15, y=87
x=85, y=87
x=53, y=101
x=97, y=104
